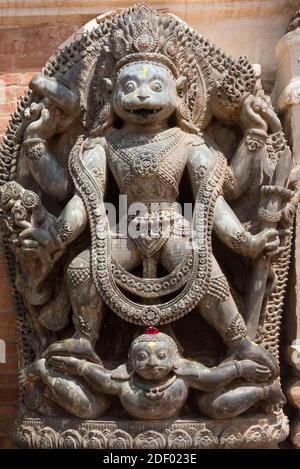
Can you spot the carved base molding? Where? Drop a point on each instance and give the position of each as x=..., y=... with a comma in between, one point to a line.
x=251, y=431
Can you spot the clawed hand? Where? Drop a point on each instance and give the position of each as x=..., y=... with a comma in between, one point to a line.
x=252, y=371
x=56, y=111
x=43, y=118
x=267, y=242
x=246, y=350
x=33, y=238
x=258, y=114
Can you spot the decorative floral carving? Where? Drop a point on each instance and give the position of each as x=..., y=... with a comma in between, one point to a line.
x=254, y=432
x=205, y=439
x=119, y=439
x=95, y=439
x=149, y=440
x=179, y=439
x=70, y=439
x=47, y=438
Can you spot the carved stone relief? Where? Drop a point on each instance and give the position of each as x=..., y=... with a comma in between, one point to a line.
x=171, y=319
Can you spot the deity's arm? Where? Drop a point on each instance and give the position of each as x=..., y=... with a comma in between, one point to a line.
x=227, y=226
x=256, y=117
x=243, y=168
x=55, y=112
x=229, y=229
x=70, y=224
x=206, y=379
x=73, y=219
x=99, y=378
x=48, y=172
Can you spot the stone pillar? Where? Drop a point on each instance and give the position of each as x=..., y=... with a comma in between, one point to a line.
x=287, y=99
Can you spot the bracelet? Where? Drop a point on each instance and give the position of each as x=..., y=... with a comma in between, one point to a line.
x=81, y=367
x=255, y=140
x=241, y=242
x=34, y=140
x=238, y=368
x=34, y=148
x=61, y=232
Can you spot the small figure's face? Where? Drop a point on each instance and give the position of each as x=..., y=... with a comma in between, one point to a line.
x=152, y=360
x=144, y=94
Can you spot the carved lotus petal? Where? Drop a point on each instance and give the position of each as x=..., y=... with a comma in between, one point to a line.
x=26, y=437
x=70, y=439
x=47, y=439
x=231, y=439
x=149, y=440
x=119, y=439
x=95, y=439
x=205, y=439
x=255, y=436
x=179, y=439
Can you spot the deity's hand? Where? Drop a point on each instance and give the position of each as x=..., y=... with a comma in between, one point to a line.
x=247, y=350
x=266, y=242
x=42, y=121
x=70, y=365
x=56, y=111
x=252, y=371
x=32, y=239
x=258, y=115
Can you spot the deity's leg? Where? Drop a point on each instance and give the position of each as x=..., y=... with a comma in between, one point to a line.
x=223, y=404
x=220, y=311
x=218, y=308
x=229, y=403
x=87, y=304
x=69, y=393
x=86, y=301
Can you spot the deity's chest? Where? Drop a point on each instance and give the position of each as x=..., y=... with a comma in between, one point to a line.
x=147, y=168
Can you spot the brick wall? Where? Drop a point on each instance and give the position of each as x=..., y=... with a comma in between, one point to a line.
x=23, y=52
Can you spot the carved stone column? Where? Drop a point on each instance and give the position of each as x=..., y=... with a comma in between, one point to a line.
x=287, y=94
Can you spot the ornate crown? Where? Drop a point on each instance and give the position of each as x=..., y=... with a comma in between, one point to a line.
x=140, y=33
x=158, y=337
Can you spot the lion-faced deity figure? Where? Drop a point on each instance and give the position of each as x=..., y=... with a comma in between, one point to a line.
x=133, y=109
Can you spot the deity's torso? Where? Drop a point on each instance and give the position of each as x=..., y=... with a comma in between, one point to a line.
x=147, y=168
x=150, y=402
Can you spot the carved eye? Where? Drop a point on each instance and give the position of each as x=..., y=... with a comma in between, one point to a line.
x=156, y=86
x=141, y=356
x=130, y=86
x=161, y=355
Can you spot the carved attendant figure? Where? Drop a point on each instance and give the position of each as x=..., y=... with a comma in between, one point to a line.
x=155, y=383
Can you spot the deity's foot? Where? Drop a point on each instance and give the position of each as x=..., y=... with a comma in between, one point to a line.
x=246, y=349
x=275, y=398
x=80, y=348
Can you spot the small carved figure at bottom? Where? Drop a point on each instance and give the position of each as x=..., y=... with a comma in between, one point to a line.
x=155, y=383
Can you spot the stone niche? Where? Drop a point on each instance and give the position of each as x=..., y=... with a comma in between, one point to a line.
x=148, y=197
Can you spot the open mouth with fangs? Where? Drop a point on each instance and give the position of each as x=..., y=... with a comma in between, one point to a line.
x=143, y=112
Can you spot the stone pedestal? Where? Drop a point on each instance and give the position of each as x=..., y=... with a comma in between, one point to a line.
x=249, y=431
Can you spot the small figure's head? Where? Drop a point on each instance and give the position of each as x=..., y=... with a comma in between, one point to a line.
x=146, y=93
x=152, y=356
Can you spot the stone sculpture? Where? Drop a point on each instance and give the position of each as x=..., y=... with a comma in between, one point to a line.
x=144, y=107
x=154, y=384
